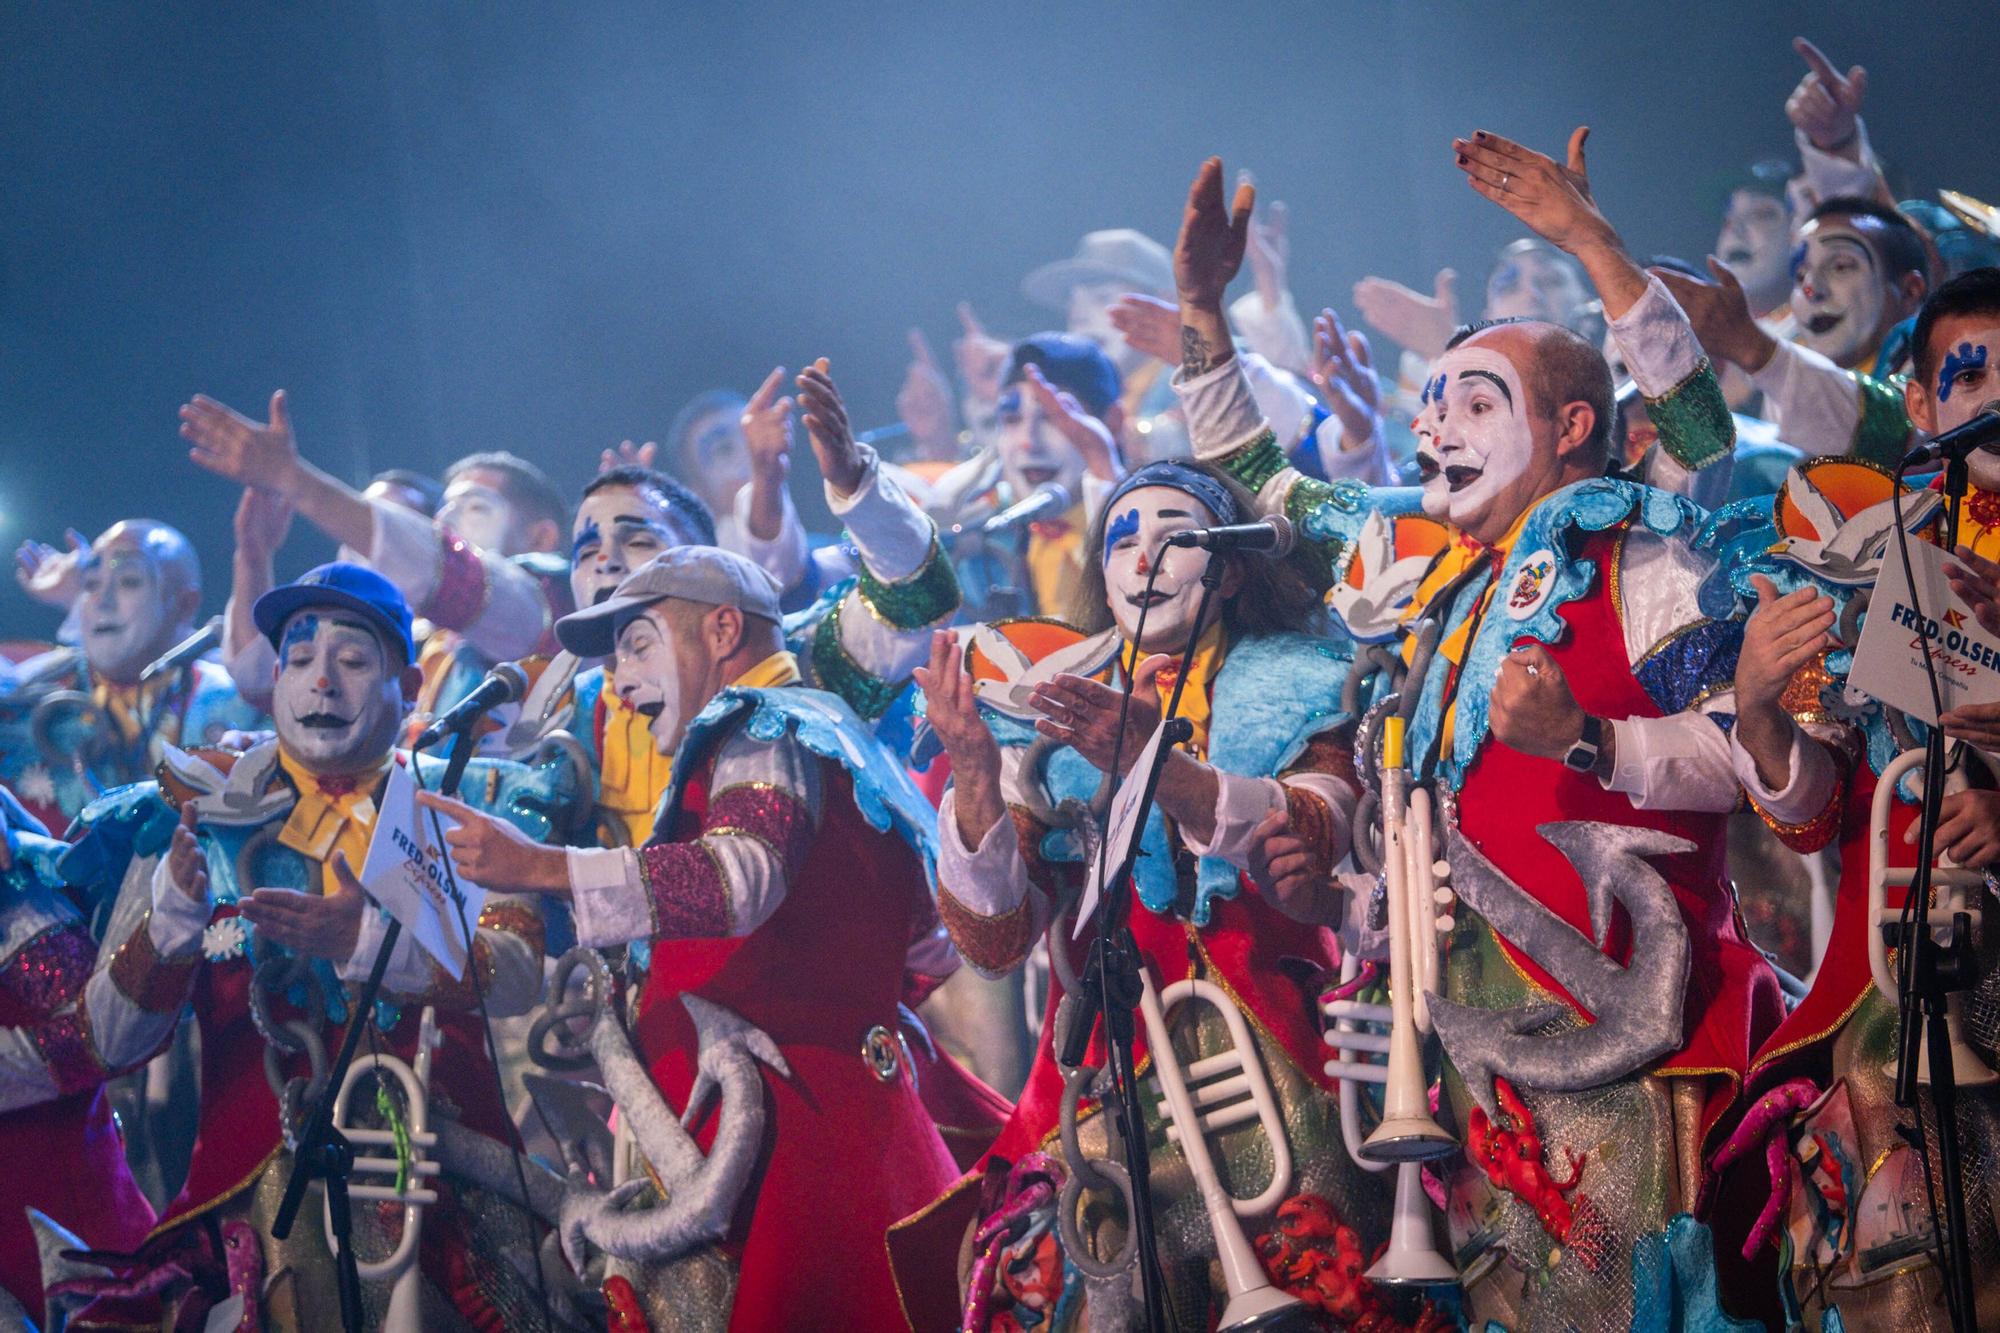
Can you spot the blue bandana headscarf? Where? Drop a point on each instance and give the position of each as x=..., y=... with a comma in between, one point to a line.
x=1188, y=481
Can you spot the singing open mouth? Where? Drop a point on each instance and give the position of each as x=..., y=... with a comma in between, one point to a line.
x=1427, y=468
x=1039, y=476
x=603, y=593
x=107, y=629
x=1148, y=599
x=323, y=721
x=1819, y=324
x=1737, y=254
x=651, y=710
x=1458, y=478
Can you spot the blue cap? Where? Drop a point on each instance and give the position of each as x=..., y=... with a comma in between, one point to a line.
x=1072, y=363
x=350, y=587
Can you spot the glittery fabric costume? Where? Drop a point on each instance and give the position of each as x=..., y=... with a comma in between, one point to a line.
x=71, y=1016
x=67, y=738
x=1267, y=707
x=785, y=878
x=260, y=824
x=1602, y=574
x=1854, y=1236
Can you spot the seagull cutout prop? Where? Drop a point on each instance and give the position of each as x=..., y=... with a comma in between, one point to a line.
x=1848, y=551
x=1011, y=694
x=1372, y=612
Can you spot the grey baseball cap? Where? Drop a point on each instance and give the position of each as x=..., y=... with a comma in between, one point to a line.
x=1116, y=255
x=705, y=574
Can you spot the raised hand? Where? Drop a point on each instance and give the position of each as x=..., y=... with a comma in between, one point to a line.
x=1551, y=198
x=952, y=710
x=249, y=453
x=1344, y=369
x=1083, y=714
x=1090, y=437
x=628, y=454
x=767, y=427
x=924, y=401
x=1214, y=233
x=1270, y=248
x=1826, y=105
x=981, y=357
x=1150, y=325
x=186, y=863
x=263, y=521
x=1422, y=324
x=840, y=459
x=52, y=577
x=1720, y=314
x=1782, y=635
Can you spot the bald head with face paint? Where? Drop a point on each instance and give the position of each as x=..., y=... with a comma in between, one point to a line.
x=1511, y=412
x=140, y=592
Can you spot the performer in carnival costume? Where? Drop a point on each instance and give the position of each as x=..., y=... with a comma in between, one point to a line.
x=1849, y=1211
x=1059, y=417
x=486, y=573
x=1573, y=680
x=279, y=832
x=781, y=885
x=76, y=722
x=1029, y=746
x=74, y=1015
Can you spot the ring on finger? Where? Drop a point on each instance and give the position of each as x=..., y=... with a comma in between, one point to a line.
x=1504, y=178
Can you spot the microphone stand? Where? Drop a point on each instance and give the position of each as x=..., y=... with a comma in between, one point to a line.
x=323, y=1152
x=1929, y=972
x=1110, y=984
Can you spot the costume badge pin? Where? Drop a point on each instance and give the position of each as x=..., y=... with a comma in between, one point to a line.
x=1532, y=585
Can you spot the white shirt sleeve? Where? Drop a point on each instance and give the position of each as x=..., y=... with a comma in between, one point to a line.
x=1811, y=777
x=1279, y=336
x=784, y=556
x=1833, y=176
x=992, y=878
x=1815, y=405
x=1656, y=340
x=1242, y=803
x=406, y=550
x=892, y=534
x=1368, y=461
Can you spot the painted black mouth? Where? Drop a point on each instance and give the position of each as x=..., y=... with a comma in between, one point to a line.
x=1737, y=255
x=1823, y=323
x=603, y=594
x=1154, y=598
x=1036, y=476
x=1427, y=468
x=1458, y=478
x=649, y=711
x=323, y=721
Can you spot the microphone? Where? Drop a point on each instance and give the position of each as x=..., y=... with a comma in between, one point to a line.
x=1982, y=432
x=194, y=647
x=504, y=684
x=1271, y=536
x=1050, y=499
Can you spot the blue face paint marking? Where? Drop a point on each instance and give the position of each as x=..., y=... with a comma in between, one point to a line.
x=1434, y=390
x=1967, y=357
x=1798, y=260
x=1125, y=525
x=590, y=536
x=301, y=630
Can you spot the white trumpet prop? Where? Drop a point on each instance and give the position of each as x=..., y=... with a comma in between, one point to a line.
x=1955, y=889
x=1212, y=1094
x=400, y=1268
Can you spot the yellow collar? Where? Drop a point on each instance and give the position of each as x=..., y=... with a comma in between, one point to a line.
x=1208, y=655
x=330, y=818
x=780, y=668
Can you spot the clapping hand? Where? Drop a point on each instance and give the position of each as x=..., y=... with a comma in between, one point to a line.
x=249, y=453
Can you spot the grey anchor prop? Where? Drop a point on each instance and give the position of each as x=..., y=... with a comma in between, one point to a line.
x=1637, y=1009
x=701, y=1190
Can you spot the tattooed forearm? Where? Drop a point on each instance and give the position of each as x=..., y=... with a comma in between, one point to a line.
x=1197, y=355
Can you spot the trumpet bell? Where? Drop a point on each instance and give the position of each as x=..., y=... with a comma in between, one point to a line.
x=1408, y=1138
x=1967, y=1069
x=1266, y=1310
x=1411, y=1259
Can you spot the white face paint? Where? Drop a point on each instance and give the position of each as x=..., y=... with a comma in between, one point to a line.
x=338, y=699
x=1484, y=443
x=125, y=611
x=479, y=513
x=1090, y=306
x=716, y=458
x=1755, y=243
x=1032, y=450
x=648, y=671
x=1839, y=294
x=1534, y=286
x=1134, y=528
x=1967, y=383
x=617, y=529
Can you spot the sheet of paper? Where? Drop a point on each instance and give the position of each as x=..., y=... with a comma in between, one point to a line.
x=1889, y=660
x=406, y=873
x=1118, y=830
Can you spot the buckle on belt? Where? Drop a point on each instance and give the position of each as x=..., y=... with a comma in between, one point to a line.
x=882, y=1051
